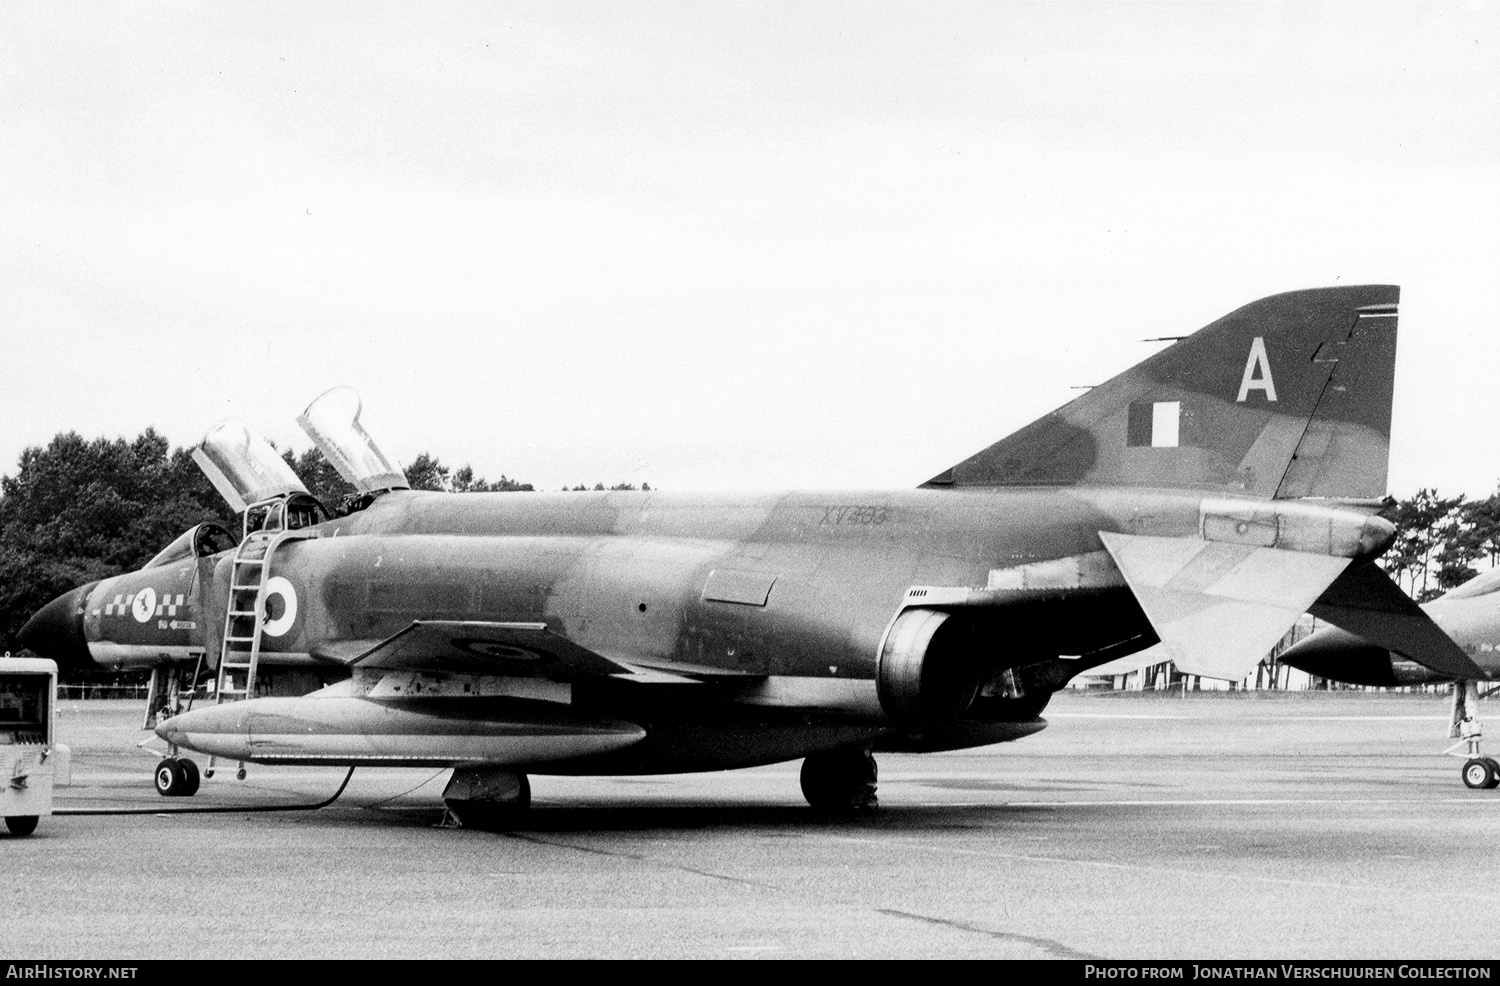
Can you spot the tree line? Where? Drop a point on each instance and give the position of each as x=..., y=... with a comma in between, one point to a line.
x=1441, y=542
x=78, y=510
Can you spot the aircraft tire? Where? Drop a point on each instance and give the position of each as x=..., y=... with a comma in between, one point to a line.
x=168, y=778
x=190, y=777
x=1494, y=773
x=1478, y=773
x=492, y=816
x=839, y=781
x=21, y=824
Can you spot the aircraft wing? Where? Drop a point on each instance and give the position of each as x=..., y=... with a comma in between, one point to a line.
x=1218, y=607
x=475, y=647
x=1364, y=601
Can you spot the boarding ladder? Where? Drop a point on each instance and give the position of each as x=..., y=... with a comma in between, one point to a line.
x=245, y=617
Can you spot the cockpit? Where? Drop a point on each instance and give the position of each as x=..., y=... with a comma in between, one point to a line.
x=202, y=541
x=289, y=513
x=257, y=481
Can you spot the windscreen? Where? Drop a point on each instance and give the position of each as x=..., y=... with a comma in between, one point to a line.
x=179, y=549
x=332, y=422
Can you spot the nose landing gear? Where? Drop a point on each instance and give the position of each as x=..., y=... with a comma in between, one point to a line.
x=1479, y=772
x=176, y=777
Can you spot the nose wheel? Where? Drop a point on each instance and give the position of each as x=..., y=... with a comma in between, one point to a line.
x=1479, y=772
x=1482, y=772
x=176, y=777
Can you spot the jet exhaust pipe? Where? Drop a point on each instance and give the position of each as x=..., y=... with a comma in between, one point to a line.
x=344, y=730
x=922, y=676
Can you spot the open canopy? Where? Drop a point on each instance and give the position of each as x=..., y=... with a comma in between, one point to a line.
x=243, y=466
x=332, y=422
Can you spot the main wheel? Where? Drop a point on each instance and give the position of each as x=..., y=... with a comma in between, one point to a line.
x=169, y=779
x=1494, y=772
x=190, y=779
x=839, y=781
x=492, y=816
x=21, y=824
x=1478, y=773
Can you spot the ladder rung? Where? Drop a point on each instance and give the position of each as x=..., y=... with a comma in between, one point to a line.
x=249, y=561
x=242, y=612
x=253, y=585
x=239, y=640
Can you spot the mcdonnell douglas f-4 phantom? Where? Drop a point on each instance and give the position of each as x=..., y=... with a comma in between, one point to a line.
x=1203, y=500
x=1470, y=616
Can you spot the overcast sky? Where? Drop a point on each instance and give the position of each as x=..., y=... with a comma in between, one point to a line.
x=718, y=245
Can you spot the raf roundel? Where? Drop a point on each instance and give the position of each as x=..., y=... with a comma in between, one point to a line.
x=279, y=586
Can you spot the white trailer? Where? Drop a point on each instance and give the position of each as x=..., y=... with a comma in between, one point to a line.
x=30, y=760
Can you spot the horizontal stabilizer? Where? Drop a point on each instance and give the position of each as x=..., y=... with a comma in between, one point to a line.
x=1219, y=608
x=478, y=647
x=1364, y=601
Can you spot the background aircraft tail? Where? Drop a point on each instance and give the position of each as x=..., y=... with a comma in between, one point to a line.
x=1289, y=396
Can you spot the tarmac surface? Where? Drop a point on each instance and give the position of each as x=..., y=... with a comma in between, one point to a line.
x=1212, y=826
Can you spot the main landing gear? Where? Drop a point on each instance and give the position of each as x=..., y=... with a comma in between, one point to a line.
x=489, y=798
x=840, y=781
x=1479, y=772
x=176, y=777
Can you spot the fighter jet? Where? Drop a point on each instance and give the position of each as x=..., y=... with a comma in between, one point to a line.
x=1470, y=617
x=1203, y=499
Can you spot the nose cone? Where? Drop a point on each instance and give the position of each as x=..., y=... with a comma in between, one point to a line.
x=171, y=730
x=56, y=630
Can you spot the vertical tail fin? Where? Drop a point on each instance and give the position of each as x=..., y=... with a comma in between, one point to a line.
x=1289, y=396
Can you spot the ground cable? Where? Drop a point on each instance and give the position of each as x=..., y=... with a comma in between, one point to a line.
x=216, y=809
